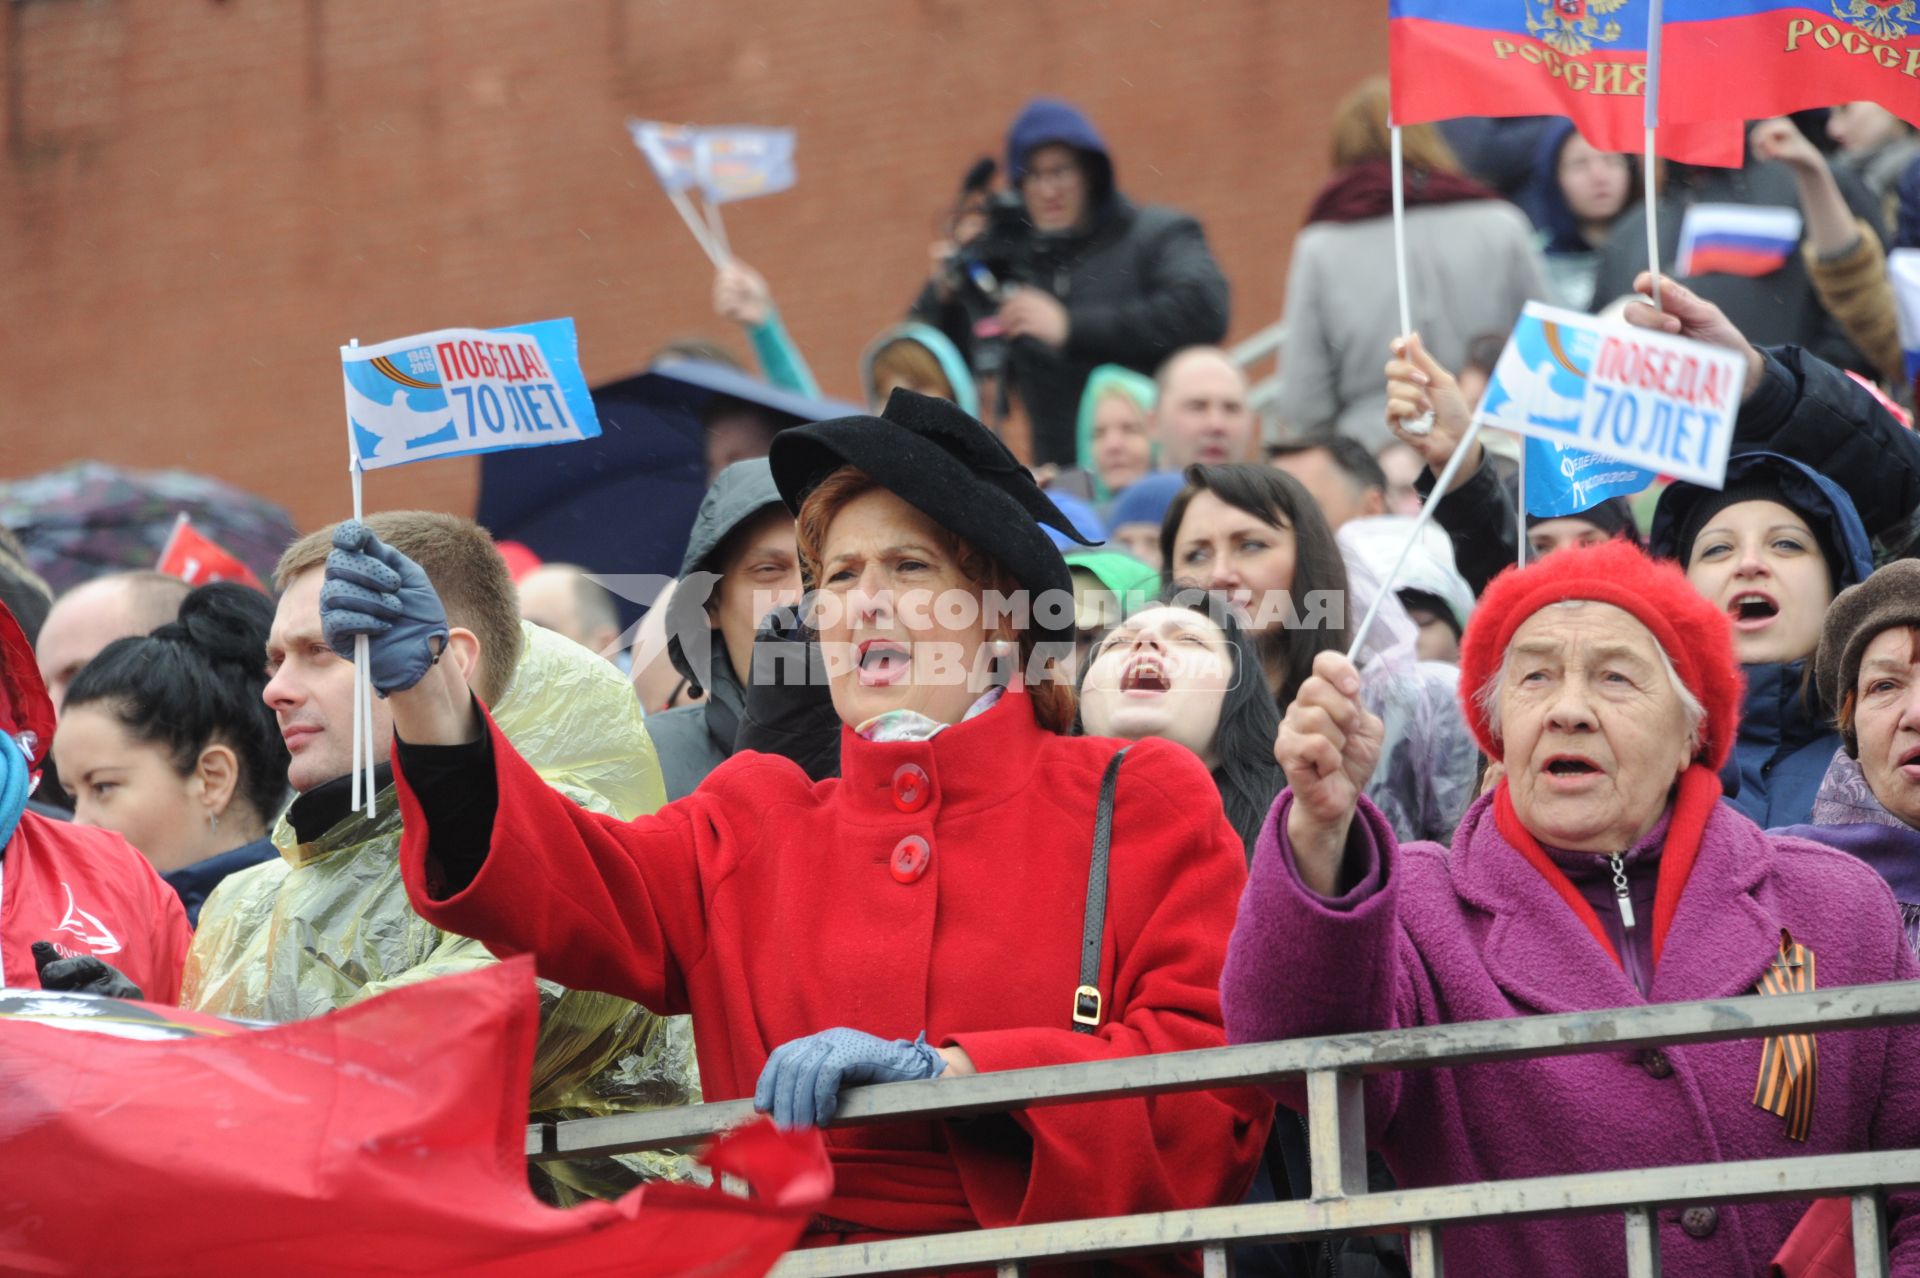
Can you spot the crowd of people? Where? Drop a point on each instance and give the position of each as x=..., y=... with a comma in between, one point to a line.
x=1031, y=719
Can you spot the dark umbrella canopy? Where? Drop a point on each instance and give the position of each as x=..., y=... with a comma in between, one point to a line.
x=89, y=519
x=621, y=505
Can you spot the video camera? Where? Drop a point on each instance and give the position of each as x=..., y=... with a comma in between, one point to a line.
x=1006, y=254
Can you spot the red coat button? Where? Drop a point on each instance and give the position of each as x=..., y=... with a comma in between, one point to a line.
x=912, y=787
x=911, y=856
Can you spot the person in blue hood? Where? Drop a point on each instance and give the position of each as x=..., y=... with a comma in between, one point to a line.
x=1577, y=193
x=1772, y=547
x=1100, y=280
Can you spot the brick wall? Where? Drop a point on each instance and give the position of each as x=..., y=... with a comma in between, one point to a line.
x=201, y=199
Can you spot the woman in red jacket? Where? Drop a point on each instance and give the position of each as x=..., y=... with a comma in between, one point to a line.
x=72, y=899
x=920, y=915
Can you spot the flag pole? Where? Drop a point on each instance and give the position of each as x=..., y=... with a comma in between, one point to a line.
x=362, y=686
x=1440, y=487
x=1422, y=424
x=718, y=228
x=699, y=228
x=1647, y=161
x=179, y=522
x=1520, y=510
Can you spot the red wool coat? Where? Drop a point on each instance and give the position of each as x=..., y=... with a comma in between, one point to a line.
x=771, y=907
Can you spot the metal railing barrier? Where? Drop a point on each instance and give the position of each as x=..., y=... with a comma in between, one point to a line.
x=1262, y=392
x=1340, y=1203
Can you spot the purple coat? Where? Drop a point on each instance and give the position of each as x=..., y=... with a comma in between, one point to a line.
x=1430, y=937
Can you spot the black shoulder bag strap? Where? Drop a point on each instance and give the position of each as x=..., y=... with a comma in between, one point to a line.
x=1086, y=999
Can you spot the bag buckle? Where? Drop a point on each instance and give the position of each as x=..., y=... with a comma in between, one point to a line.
x=1086, y=1006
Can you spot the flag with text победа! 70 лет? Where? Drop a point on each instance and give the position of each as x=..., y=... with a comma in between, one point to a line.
x=466, y=390
x=669, y=151
x=1661, y=403
x=1585, y=60
x=742, y=163
x=1750, y=59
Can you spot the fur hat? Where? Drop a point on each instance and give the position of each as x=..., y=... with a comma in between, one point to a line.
x=1889, y=598
x=953, y=470
x=1696, y=636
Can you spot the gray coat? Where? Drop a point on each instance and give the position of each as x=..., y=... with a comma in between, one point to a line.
x=1471, y=266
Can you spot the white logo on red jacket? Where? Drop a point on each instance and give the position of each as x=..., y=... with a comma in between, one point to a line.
x=91, y=931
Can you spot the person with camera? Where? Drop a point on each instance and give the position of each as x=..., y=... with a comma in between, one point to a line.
x=1067, y=274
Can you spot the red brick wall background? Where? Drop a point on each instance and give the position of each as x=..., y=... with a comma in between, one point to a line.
x=201, y=199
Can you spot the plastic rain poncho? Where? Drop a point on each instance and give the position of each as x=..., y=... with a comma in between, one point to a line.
x=327, y=924
x=1429, y=767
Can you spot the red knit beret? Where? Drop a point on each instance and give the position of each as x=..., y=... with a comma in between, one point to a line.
x=1697, y=637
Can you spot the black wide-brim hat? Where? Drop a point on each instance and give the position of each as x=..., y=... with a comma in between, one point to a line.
x=953, y=470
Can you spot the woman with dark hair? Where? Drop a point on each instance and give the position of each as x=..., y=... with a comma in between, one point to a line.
x=1254, y=534
x=165, y=739
x=1186, y=670
x=923, y=914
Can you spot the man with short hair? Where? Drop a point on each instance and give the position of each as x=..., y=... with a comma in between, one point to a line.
x=327, y=924
x=741, y=563
x=1338, y=473
x=564, y=599
x=1201, y=414
x=1097, y=279
x=94, y=613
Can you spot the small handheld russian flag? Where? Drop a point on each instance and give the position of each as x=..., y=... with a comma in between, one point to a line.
x=1903, y=271
x=1737, y=239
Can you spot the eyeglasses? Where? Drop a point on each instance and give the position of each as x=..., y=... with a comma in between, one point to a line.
x=1053, y=175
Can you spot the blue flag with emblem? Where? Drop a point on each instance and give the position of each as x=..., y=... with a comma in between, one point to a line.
x=1565, y=481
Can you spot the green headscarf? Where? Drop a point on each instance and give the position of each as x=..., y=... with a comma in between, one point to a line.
x=1103, y=381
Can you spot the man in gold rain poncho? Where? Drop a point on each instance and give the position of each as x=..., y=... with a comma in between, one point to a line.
x=327, y=923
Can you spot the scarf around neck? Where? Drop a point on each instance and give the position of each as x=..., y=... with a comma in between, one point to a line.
x=1365, y=190
x=1699, y=791
x=911, y=725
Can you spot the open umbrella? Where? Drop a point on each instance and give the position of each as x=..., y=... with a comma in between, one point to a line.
x=89, y=519
x=621, y=505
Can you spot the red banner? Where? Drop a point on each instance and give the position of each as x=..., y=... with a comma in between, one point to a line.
x=1750, y=59
x=197, y=559
x=1455, y=58
x=386, y=1138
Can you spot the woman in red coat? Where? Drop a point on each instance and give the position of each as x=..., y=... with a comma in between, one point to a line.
x=921, y=915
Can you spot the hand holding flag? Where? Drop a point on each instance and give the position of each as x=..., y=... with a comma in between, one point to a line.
x=1417, y=386
x=1687, y=314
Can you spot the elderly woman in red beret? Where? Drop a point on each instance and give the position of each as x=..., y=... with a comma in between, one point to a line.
x=926, y=913
x=1603, y=870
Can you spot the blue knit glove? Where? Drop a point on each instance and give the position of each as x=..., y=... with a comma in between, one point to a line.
x=372, y=589
x=801, y=1083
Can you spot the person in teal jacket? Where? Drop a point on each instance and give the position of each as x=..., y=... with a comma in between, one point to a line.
x=917, y=356
x=740, y=294
x=1115, y=434
x=920, y=358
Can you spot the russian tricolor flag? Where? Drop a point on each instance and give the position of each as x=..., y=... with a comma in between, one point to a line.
x=1737, y=239
x=1903, y=269
x=1751, y=59
x=1585, y=60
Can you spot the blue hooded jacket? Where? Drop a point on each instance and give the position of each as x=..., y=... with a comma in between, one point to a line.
x=1049, y=120
x=1572, y=263
x=1786, y=737
x=1138, y=283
